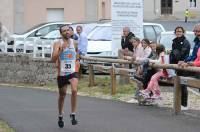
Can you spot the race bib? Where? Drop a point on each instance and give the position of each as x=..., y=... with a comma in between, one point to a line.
x=68, y=66
x=68, y=61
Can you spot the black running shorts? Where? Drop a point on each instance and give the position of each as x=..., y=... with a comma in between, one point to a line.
x=64, y=80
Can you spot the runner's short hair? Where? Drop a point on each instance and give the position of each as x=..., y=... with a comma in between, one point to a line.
x=60, y=29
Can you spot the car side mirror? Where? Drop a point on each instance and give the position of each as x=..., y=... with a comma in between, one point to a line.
x=38, y=34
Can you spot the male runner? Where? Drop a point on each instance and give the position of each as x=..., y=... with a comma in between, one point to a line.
x=65, y=56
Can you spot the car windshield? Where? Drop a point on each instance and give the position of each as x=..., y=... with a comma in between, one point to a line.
x=166, y=40
x=87, y=27
x=39, y=25
x=53, y=35
x=101, y=33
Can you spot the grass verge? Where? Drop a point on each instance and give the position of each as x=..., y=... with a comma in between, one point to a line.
x=4, y=127
x=102, y=88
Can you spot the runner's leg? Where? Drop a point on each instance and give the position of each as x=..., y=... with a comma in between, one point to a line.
x=74, y=83
x=61, y=99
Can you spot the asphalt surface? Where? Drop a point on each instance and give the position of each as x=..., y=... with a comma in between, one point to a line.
x=29, y=110
x=171, y=25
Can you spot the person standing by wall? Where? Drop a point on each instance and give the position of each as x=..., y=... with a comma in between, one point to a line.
x=4, y=33
x=82, y=40
x=186, y=13
x=4, y=38
x=73, y=35
x=180, y=51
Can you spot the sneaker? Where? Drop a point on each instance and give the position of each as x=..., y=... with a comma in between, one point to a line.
x=184, y=107
x=61, y=122
x=155, y=96
x=144, y=93
x=73, y=119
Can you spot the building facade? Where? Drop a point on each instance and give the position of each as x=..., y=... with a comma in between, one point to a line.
x=156, y=9
x=6, y=13
x=20, y=15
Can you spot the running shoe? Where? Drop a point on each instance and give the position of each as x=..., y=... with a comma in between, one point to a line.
x=73, y=119
x=61, y=122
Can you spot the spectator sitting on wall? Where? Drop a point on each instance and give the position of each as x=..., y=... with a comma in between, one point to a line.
x=142, y=54
x=192, y=57
x=140, y=51
x=125, y=42
x=137, y=48
x=144, y=72
x=153, y=90
x=196, y=61
x=196, y=46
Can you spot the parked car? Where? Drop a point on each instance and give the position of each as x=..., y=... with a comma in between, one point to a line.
x=55, y=34
x=35, y=32
x=100, y=39
x=166, y=38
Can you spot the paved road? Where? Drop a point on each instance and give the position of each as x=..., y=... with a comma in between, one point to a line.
x=29, y=110
x=171, y=25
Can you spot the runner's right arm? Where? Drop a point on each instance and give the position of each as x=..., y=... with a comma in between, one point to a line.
x=56, y=51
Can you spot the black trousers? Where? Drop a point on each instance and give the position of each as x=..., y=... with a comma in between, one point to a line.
x=184, y=95
x=147, y=77
x=184, y=90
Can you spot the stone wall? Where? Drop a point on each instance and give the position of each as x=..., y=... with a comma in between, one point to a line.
x=22, y=68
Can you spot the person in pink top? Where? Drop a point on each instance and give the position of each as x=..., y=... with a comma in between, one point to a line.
x=141, y=50
x=197, y=60
x=153, y=90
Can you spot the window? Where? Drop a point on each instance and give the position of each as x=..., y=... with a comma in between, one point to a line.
x=193, y=3
x=55, y=34
x=55, y=14
x=101, y=34
x=44, y=30
x=157, y=29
